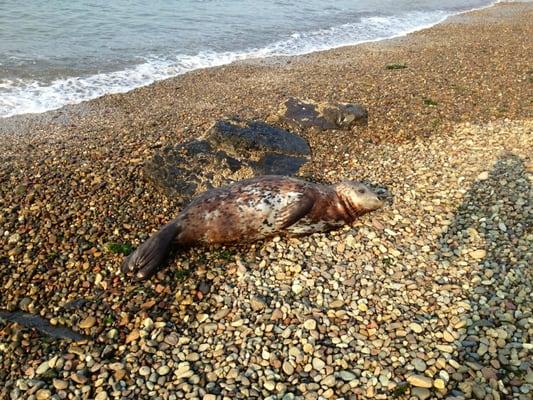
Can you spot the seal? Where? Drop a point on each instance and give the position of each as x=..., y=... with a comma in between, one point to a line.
x=255, y=209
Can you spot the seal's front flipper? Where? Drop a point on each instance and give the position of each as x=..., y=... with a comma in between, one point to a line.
x=150, y=255
x=295, y=211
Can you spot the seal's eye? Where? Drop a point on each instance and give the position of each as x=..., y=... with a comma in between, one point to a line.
x=361, y=191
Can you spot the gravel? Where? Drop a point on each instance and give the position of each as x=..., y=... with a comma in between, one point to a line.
x=429, y=297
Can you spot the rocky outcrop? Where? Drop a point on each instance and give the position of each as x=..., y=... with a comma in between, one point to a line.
x=304, y=114
x=231, y=150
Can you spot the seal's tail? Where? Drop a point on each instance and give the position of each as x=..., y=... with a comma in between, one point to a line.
x=149, y=256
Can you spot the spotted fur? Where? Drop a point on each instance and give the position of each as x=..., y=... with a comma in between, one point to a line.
x=255, y=209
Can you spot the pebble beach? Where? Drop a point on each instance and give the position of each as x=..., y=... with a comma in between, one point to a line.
x=427, y=298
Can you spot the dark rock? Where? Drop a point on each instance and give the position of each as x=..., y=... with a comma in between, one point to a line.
x=189, y=168
x=232, y=150
x=309, y=114
x=257, y=136
x=279, y=164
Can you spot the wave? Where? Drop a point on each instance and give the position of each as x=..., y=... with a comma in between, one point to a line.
x=31, y=96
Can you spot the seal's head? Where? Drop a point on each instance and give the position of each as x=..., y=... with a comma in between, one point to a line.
x=358, y=197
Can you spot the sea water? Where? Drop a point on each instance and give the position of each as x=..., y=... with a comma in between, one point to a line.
x=57, y=52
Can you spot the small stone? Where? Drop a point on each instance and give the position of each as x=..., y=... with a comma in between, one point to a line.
x=220, y=314
x=416, y=328
x=421, y=393
x=297, y=288
x=163, y=370
x=328, y=381
x=257, y=304
x=87, y=323
x=419, y=364
x=362, y=307
x=144, y=371
x=308, y=348
x=347, y=376
x=445, y=348
x=439, y=384
x=171, y=339
x=310, y=324
x=43, y=394
x=483, y=176
x=420, y=381
x=192, y=357
x=318, y=364
x=41, y=369
x=59, y=384
x=529, y=377
x=209, y=397
x=336, y=304
x=79, y=379
x=14, y=238
x=132, y=336
x=101, y=396
x=478, y=254
x=482, y=349
x=276, y=314
x=288, y=368
x=478, y=391
x=269, y=385
x=448, y=337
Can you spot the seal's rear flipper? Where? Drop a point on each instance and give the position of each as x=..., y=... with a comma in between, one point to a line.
x=149, y=256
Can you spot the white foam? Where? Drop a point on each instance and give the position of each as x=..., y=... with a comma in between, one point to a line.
x=31, y=96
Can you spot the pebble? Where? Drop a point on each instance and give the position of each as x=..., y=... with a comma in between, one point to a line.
x=310, y=324
x=43, y=394
x=478, y=254
x=132, y=336
x=421, y=393
x=483, y=176
x=288, y=368
x=434, y=284
x=347, y=376
x=297, y=288
x=163, y=370
x=318, y=364
x=416, y=328
x=101, y=396
x=60, y=384
x=87, y=323
x=42, y=368
x=257, y=304
x=420, y=381
x=439, y=384
x=328, y=381
x=419, y=365
x=444, y=348
x=448, y=336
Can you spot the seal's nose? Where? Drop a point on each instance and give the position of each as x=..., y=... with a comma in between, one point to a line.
x=384, y=195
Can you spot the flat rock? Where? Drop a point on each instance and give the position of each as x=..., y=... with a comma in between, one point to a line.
x=231, y=150
x=187, y=169
x=305, y=114
x=252, y=136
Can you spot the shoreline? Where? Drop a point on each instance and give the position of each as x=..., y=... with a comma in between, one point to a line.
x=251, y=56
x=425, y=298
x=22, y=122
